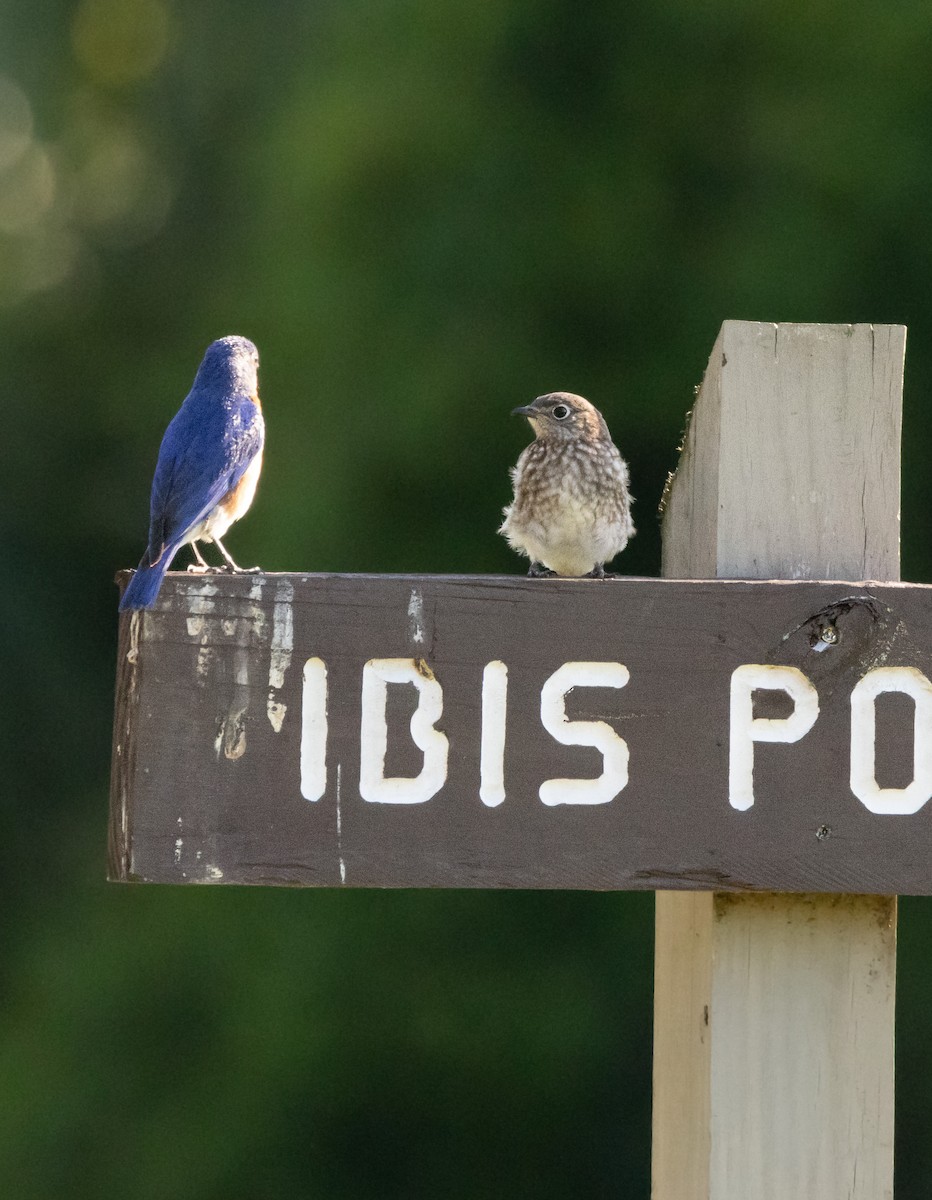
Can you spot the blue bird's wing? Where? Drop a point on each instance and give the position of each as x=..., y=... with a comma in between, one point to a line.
x=204, y=454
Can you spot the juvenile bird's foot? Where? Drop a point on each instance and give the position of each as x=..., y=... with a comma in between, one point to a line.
x=599, y=572
x=537, y=571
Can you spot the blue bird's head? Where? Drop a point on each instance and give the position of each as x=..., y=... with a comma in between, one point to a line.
x=231, y=363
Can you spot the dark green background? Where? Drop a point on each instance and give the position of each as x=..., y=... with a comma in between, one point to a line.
x=424, y=213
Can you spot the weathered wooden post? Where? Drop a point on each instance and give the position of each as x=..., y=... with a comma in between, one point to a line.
x=763, y=745
x=774, y=1013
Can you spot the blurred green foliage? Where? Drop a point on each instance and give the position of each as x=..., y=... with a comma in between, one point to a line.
x=424, y=213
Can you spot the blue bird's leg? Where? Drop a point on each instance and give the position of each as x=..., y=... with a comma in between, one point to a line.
x=233, y=567
x=202, y=565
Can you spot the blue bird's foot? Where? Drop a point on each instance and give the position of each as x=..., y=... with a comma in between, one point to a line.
x=202, y=569
x=231, y=565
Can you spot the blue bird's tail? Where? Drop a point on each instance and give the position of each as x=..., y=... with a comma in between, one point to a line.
x=143, y=588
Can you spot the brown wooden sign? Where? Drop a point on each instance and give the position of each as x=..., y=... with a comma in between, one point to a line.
x=393, y=731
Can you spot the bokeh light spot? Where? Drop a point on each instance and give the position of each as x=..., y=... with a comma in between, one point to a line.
x=27, y=191
x=49, y=259
x=121, y=189
x=15, y=122
x=120, y=42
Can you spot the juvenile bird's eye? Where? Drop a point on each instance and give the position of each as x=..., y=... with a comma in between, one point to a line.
x=561, y=412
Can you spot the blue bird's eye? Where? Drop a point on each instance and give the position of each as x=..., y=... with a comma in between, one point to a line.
x=561, y=412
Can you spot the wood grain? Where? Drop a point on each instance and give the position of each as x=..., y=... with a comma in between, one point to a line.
x=207, y=764
x=791, y=463
x=774, y=1014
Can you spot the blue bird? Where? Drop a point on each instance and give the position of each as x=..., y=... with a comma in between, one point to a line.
x=208, y=466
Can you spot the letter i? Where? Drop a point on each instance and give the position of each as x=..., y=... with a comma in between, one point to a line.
x=492, y=746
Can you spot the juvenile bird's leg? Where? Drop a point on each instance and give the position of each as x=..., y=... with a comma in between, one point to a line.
x=538, y=571
x=232, y=565
x=202, y=565
x=599, y=572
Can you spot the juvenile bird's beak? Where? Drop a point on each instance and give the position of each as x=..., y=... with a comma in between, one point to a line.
x=527, y=410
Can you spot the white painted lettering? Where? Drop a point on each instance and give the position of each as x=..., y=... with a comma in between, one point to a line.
x=377, y=674
x=492, y=745
x=910, y=682
x=746, y=729
x=314, y=730
x=614, y=750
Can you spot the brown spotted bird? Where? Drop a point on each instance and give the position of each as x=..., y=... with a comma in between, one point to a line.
x=572, y=509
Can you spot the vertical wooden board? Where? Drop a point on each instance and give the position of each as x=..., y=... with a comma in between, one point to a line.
x=682, y=1047
x=803, y=1002
x=804, y=457
x=689, y=543
x=809, y=451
